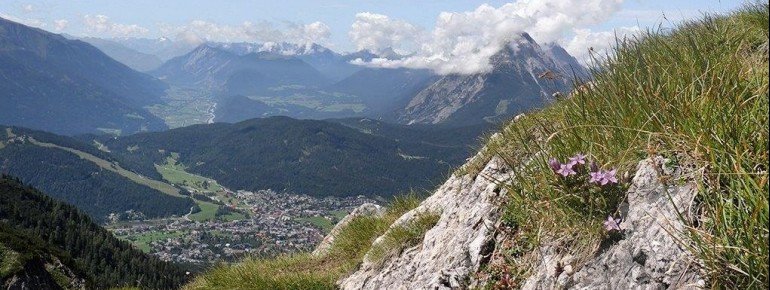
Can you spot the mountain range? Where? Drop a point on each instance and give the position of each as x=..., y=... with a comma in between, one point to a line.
x=68, y=86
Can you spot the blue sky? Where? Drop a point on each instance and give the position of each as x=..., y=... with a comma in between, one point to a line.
x=407, y=25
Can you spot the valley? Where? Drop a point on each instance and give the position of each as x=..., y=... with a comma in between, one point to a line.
x=226, y=226
x=185, y=106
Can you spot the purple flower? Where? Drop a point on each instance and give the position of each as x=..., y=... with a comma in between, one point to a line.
x=594, y=167
x=596, y=177
x=612, y=224
x=609, y=177
x=554, y=164
x=577, y=159
x=566, y=170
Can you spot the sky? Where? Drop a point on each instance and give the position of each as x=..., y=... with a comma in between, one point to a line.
x=455, y=36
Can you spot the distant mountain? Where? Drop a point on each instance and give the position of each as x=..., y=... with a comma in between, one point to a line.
x=68, y=86
x=385, y=90
x=218, y=69
x=47, y=244
x=332, y=65
x=524, y=75
x=367, y=55
x=320, y=158
x=66, y=176
x=163, y=48
x=134, y=59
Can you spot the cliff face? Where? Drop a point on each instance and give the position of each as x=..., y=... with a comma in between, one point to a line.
x=453, y=253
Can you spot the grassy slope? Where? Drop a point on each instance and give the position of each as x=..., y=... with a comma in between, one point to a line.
x=697, y=95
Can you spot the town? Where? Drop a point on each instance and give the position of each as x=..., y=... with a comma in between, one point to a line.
x=275, y=223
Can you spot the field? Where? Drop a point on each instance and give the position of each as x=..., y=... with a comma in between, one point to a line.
x=324, y=223
x=143, y=241
x=184, y=107
x=174, y=172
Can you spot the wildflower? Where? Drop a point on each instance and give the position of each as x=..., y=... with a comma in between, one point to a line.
x=577, y=159
x=554, y=164
x=596, y=177
x=612, y=224
x=566, y=170
x=609, y=177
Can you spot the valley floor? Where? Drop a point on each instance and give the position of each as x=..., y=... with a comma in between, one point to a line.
x=273, y=223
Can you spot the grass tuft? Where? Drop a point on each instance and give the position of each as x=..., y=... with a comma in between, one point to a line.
x=400, y=237
x=697, y=95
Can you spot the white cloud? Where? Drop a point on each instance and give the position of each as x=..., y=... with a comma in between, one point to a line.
x=199, y=31
x=378, y=33
x=28, y=8
x=464, y=42
x=587, y=44
x=103, y=25
x=60, y=24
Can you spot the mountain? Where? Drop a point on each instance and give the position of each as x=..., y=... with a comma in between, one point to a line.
x=320, y=158
x=163, y=48
x=524, y=76
x=138, y=61
x=68, y=86
x=385, y=90
x=92, y=183
x=211, y=67
x=330, y=64
x=47, y=244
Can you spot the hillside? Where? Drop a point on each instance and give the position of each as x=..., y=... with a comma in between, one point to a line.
x=136, y=60
x=319, y=158
x=69, y=87
x=46, y=241
x=64, y=175
x=654, y=176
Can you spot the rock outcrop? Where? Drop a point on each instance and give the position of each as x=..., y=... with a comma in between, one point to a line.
x=454, y=248
x=649, y=255
x=367, y=209
x=646, y=255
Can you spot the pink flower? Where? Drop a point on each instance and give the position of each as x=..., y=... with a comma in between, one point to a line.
x=554, y=164
x=612, y=224
x=566, y=170
x=596, y=177
x=577, y=159
x=609, y=177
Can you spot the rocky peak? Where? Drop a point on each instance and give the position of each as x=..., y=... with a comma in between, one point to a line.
x=524, y=75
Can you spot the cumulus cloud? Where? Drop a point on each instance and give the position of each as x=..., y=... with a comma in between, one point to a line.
x=463, y=42
x=60, y=24
x=199, y=31
x=378, y=33
x=587, y=44
x=103, y=25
